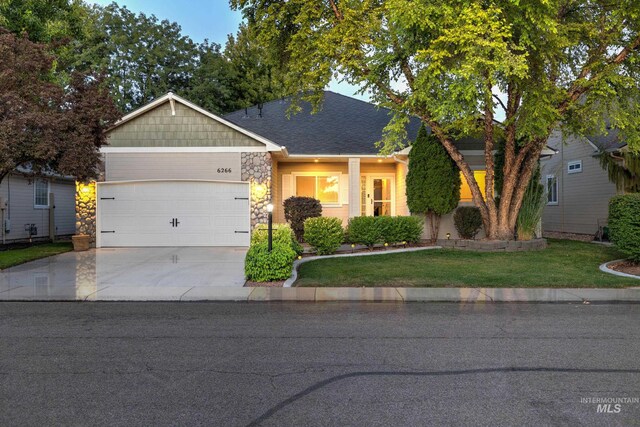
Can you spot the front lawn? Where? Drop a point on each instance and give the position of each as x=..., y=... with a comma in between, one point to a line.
x=12, y=257
x=564, y=263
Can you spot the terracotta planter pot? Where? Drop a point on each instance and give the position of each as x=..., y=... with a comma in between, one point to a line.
x=81, y=242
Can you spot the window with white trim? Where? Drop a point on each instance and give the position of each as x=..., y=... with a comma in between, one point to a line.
x=325, y=188
x=552, y=190
x=574, y=166
x=41, y=193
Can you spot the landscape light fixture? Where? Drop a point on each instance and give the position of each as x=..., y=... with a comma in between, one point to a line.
x=270, y=226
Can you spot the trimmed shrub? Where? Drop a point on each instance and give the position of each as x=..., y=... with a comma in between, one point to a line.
x=324, y=234
x=389, y=229
x=368, y=230
x=260, y=265
x=298, y=209
x=624, y=224
x=282, y=233
x=468, y=221
x=409, y=228
x=362, y=230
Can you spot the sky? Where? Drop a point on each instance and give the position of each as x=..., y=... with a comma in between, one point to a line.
x=203, y=19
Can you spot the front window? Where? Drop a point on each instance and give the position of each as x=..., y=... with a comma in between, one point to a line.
x=552, y=190
x=325, y=188
x=465, y=190
x=41, y=193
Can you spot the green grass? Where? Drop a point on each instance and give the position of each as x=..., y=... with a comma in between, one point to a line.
x=12, y=257
x=564, y=263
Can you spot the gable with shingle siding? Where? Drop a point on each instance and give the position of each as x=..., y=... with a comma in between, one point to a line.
x=187, y=128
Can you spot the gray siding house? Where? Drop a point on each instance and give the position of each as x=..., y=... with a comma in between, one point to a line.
x=36, y=208
x=578, y=189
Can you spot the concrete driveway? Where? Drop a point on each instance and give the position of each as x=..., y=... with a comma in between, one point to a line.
x=140, y=274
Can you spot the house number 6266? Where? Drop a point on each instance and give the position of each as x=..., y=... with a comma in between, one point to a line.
x=224, y=170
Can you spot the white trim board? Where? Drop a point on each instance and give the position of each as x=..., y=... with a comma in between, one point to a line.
x=251, y=149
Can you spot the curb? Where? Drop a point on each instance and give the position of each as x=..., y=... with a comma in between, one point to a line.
x=387, y=295
x=604, y=268
x=294, y=270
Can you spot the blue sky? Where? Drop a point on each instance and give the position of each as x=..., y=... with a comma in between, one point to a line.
x=202, y=19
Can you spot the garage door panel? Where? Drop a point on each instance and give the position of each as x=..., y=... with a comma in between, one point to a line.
x=140, y=214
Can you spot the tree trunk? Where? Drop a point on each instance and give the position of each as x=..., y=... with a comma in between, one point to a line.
x=434, y=223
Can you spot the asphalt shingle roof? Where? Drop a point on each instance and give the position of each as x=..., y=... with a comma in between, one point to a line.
x=344, y=125
x=609, y=142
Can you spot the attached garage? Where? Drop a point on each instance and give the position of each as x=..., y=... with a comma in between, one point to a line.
x=173, y=213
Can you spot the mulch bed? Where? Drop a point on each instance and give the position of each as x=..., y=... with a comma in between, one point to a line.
x=568, y=236
x=276, y=284
x=625, y=267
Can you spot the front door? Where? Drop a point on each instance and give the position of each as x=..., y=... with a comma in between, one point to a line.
x=379, y=196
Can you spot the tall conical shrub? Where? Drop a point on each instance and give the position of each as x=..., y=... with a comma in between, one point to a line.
x=433, y=180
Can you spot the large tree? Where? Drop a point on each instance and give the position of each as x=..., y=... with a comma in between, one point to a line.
x=43, y=126
x=547, y=64
x=142, y=57
x=433, y=180
x=255, y=73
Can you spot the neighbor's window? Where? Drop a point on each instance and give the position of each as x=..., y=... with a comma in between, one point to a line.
x=465, y=190
x=41, y=193
x=552, y=190
x=574, y=166
x=325, y=188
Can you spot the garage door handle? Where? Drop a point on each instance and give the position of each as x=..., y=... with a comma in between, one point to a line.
x=241, y=198
x=246, y=232
x=107, y=198
x=111, y=231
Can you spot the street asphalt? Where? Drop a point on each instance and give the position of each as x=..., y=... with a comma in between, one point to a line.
x=318, y=364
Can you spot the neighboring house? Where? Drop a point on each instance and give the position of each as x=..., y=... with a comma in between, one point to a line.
x=578, y=189
x=36, y=208
x=177, y=175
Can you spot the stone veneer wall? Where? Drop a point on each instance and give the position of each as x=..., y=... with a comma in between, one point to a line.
x=256, y=168
x=86, y=209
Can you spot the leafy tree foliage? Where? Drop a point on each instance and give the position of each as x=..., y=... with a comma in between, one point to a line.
x=433, y=180
x=43, y=126
x=623, y=170
x=559, y=63
x=60, y=24
x=254, y=72
x=142, y=57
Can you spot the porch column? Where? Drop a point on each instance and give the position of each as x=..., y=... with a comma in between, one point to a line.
x=354, y=187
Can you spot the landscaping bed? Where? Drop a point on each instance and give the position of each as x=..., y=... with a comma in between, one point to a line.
x=563, y=264
x=627, y=267
x=13, y=257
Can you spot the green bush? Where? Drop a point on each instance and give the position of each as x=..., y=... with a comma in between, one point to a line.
x=298, y=209
x=324, y=234
x=624, y=224
x=368, y=230
x=281, y=233
x=362, y=230
x=409, y=228
x=263, y=266
x=388, y=229
x=468, y=221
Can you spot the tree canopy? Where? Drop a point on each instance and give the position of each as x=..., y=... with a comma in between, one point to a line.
x=44, y=127
x=545, y=63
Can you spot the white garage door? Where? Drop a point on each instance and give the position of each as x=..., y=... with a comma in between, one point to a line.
x=173, y=213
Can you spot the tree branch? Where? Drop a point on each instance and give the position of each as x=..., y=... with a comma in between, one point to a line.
x=577, y=89
x=336, y=11
x=497, y=98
